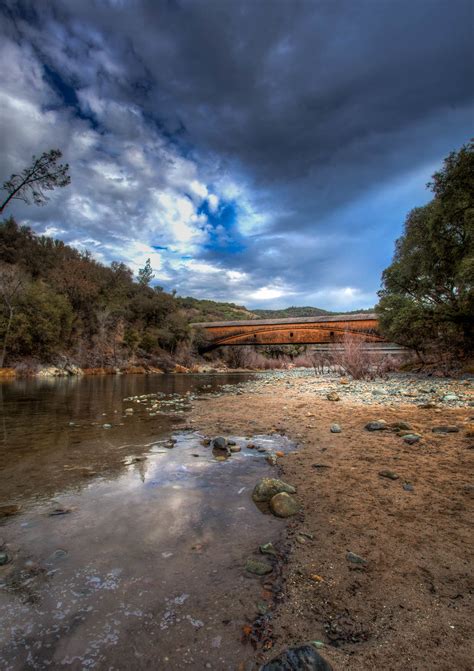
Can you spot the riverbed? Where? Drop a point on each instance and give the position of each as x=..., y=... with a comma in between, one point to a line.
x=124, y=537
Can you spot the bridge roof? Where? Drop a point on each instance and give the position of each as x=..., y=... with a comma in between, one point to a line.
x=291, y=320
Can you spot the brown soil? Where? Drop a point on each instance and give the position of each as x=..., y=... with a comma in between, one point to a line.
x=410, y=606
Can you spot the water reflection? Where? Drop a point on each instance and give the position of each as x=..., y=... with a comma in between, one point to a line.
x=126, y=551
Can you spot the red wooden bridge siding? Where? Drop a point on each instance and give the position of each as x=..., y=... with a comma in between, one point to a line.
x=302, y=331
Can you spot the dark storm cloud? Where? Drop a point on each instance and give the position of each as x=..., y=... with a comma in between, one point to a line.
x=310, y=110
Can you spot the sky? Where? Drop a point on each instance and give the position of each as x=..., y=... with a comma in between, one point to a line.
x=263, y=152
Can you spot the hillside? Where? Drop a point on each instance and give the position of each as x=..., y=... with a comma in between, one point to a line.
x=287, y=313
x=213, y=311
x=203, y=310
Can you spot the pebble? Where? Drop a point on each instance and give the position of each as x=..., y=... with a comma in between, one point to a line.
x=335, y=428
x=355, y=559
x=445, y=429
x=412, y=438
x=389, y=474
x=379, y=425
x=258, y=567
x=333, y=396
x=267, y=549
x=301, y=658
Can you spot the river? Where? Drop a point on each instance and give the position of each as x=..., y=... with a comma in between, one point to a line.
x=123, y=538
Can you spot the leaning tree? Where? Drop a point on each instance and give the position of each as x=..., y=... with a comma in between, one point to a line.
x=44, y=174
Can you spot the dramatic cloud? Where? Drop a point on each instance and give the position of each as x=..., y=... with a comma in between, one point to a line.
x=261, y=152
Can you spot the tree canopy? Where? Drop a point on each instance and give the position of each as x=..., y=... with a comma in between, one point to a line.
x=427, y=295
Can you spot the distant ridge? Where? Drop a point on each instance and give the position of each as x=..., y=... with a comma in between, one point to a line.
x=203, y=310
x=306, y=311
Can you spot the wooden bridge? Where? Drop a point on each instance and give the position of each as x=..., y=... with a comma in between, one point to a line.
x=299, y=331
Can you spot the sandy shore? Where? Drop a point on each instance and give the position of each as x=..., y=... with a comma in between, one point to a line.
x=410, y=605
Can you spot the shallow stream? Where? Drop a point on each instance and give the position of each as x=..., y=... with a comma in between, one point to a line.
x=125, y=537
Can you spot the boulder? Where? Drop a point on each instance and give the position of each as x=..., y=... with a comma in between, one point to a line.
x=267, y=488
x=284, y=505
x=301, y=658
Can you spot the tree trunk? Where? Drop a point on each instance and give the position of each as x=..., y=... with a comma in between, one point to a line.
x=7, y=331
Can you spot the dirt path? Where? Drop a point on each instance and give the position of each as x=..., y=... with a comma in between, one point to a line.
x=410, y=605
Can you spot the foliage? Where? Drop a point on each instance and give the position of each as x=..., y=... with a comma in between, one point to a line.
x=69, y=304
x=212, y=311
x=145, y=274
x=44, y=174
x=288, y=313
x=295, y=312
x=41, y=323
x=427, y=296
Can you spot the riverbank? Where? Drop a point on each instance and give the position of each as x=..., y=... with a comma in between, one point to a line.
x=70, y=370
x=401, y=505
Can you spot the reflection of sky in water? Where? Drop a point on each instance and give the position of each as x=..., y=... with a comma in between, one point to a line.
x=146, y=561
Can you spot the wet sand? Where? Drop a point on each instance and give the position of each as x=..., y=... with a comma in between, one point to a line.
x=410, y=605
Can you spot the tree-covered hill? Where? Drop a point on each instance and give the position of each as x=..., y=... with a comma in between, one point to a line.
x=203, y=310
x=58, y=302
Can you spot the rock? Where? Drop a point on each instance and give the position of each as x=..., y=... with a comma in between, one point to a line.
x=378, y=425
x=180, y=369
x=267, y=549
x=445, y=429
x=59, y=511
x=301, y=658
x=129, y=411
x=51, y=371
x=412, y=438
x=257, y=567
x=261, y=607
x=333, y=396
x=221, y=458
x=284, y=505
x=267, y=488
x=335, y=428
x=344, y=380
x=427, y=406
x=407, y=487
x=271, y=459
x=401, y=426
x=235, y=448
x=4, y=559
x=450, y=397
x=220, y=444
x=106, y=426
x=389, y=474
x=355, y=559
